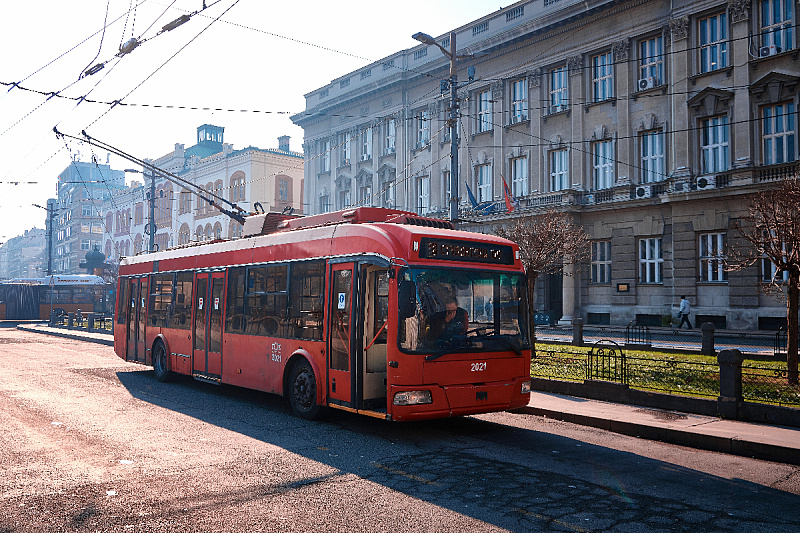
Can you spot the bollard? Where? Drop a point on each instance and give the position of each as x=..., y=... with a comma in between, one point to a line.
x=52, y=319
x=730, y=382
x=70, y=320
x=90, y=322
x=707, y=346
x=577, y=332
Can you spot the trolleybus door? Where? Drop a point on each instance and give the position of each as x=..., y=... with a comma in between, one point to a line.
x=207, y=326
x=137, y=319
x=341, y=332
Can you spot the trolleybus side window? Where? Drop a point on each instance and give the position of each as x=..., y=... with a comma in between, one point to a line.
x=234, y=316
x=122, y=299
x=160, y=299
x=182, y=308
x=307, y=282
x=267, y=300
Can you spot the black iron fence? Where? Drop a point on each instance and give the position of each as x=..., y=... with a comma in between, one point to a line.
x=672, y=374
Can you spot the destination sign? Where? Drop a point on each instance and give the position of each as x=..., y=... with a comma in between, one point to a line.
x=477, y=252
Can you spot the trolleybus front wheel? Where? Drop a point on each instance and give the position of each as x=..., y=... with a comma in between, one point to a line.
x=160, y=363
x=303, y=391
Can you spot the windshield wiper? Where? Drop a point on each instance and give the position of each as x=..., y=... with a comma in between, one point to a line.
x=437, y=355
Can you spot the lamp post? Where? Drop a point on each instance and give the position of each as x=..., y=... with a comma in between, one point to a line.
x=453, y=120
x=51, y=215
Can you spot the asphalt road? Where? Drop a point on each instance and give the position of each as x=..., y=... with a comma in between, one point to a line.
x=91, y=443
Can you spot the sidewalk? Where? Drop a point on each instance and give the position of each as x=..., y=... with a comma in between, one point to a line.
x=771, y=443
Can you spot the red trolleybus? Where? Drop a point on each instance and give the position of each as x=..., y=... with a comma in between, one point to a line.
x=35, y=298
x=370, y=310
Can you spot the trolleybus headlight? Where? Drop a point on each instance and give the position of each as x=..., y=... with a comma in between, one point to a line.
x=413, y=397
x=526, y=387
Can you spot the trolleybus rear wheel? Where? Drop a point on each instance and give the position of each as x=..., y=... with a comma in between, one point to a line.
x=303, y=391
x=160, y=363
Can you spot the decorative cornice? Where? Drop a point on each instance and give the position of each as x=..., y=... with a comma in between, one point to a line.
x=679, y=28
x=621, y=50
x=739, y=10
x=575, y=64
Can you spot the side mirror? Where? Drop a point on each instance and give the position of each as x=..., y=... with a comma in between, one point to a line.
x=406, y=298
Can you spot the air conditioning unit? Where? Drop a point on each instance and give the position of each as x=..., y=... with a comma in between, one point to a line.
x=647, y=83
x=771, y=50
x=706, y=182
x=643, y=191
x=365, y=157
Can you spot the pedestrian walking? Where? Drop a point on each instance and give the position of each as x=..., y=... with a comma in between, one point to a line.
x=684, y=311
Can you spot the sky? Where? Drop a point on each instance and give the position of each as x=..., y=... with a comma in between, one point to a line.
x=255, y=57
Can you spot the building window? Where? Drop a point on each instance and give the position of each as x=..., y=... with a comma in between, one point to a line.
x=651, y=60
x=326, y=156
x=603, y=164
x=558, y=89
x=712, y=257
x=345, y=148
x=324, y=203
x=484, y=181
x=484, y=111
x=519, y=101
x=423, y=195
x=559, y=170
x=344, y=198
x=601, y=262
x=480, y=28
x=85, y=244
x=423, y=128
x=776, y=24
x=602, y=79
x=419, y=54
x=714, y=145
x=779, y=133
x=283, y=190
x=366, y=73
x=515, y=13
x=365, y=191
x=651, y=261
x=713, y=43
x=366, y=147
x=652, y=143
x=387, y=194
x=86, y=210
x=519, y=176
x=391, y=131
x=770, y=273
x=237, y=189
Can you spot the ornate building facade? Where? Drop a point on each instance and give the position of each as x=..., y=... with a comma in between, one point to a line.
x=651, y=122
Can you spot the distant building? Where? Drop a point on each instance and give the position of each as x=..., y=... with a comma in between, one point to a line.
x=23, y=256
x=78, y=224
x=650, y=122
x=272, y=178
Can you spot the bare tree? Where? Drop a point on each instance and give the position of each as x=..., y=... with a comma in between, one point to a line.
x=772, y=227
x=546, y=242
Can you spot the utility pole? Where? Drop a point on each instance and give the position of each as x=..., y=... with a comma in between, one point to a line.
x=51, y=215
x=453, y=120
x=152, y=223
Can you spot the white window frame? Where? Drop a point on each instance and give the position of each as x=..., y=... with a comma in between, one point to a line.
x=519, y=176
x=776, y=23
x=423, y=195
x=603, y=164
x=326, y=156
x=484, y=114
x=778, y=134
x=711, y=251
x=483, y=181
x=558, y=89
x=602, y=77
x=423, y=128
x=85, y=244
x=652, y=156
x=388, y=194
x=346, y=153
x=324, y=203
x=713, y=41
x=519, y=101
x=651, y=260
x=366, y=147
x=714, y=144
x=651, y=59
x=601, y=262
x=391, y=136
x=559, y=169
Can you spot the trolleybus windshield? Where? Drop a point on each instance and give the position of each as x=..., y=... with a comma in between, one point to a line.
x=452, y=310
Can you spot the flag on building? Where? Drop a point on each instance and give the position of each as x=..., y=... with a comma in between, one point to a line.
x=511, y=202
x=472, y=199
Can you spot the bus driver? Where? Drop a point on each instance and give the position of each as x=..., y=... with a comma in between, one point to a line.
x=451, y=322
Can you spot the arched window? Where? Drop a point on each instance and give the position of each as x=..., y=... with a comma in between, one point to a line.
x=209, y=232
x=137, y=244
x=184, y=234
x=217, y=230
x=198, y=233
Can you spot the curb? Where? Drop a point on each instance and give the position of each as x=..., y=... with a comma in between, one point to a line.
x=67, y=334
x=729, y=445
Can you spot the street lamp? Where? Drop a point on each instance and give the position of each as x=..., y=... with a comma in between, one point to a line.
x=453, y=121
x=51, y=215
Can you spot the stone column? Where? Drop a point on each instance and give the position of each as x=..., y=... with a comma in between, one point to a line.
x=568, y=295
